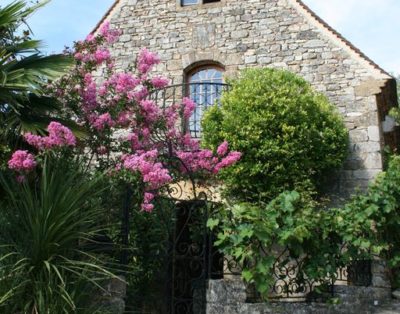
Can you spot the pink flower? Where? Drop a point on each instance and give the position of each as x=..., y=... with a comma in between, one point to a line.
x=78, y=56
x=124, y=82
x=59, y=136
x=147, y=207
x=229, y=160
x=102, y=91
x=148, y=197
x=105, y=28
x=153, y=173
x=103, y=121
x=171, y=115
x=150, y=110
x=124, y=118
x=159, y=82
x=101, y=55
x=188, y=107
x=222, y=149
x=111, y=35
x=22, y=160
x=140, y=94
x=34, y=140
x=146, y=61
x=90, y=38
x=135, y=143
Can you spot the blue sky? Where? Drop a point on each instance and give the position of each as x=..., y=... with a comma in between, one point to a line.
x=372, y=25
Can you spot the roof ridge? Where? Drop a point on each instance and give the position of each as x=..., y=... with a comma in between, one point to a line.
x=105, y=16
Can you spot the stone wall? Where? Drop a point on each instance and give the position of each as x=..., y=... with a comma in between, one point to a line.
x=229, y=297
x=273, y=33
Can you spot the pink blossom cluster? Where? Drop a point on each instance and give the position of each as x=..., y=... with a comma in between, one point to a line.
x=121, y=103
x=111, y=35
x=123, y=82
x=99, y=56
x=150, y=111
x=89, y=94
x=153, y=173
x=59, y=136
x=146, y=61
x=188, y=107
x=102, y=121
x=22, y=161
x=204, y=159
x=159, y=82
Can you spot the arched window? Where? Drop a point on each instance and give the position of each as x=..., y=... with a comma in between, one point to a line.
x=205, y=86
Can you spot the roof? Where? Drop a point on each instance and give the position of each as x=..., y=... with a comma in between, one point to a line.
x=105, y=16
x=307, y=9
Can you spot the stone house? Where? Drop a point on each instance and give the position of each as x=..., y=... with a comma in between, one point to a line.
x=207, y=40
x=200, y=39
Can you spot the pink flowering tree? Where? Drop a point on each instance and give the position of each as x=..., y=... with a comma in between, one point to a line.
x=126, y=134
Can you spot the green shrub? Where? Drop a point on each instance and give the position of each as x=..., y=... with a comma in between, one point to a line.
x=370, y=222
x=290, y=136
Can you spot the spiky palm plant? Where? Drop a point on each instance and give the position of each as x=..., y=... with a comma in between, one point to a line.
x=46, y=226
x=23, y=73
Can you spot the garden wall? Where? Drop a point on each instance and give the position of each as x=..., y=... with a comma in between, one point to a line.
x=229, y=296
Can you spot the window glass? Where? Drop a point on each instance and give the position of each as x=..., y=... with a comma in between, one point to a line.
x=189, y=2
x=205, y=89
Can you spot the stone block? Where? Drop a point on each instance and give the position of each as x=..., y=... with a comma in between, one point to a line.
x=366, y=174
x=374, y=133
x=250, y=59
x=239, y=34
x=358, y=135
x=314, y=43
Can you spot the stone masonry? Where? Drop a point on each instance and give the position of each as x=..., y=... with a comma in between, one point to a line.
x=229, y=297
x=283, y=34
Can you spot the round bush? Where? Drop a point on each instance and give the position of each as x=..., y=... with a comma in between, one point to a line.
x=290, y=135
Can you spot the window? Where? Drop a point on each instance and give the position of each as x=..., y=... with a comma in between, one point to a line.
x=205, y=88
x=191, y=2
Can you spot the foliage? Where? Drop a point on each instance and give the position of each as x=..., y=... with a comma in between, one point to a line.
x=23, y=72
x=369, y=223
x=149, y=266
x=47, y=224
x=289, y=135
x=324, y=240
x=255, y=236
